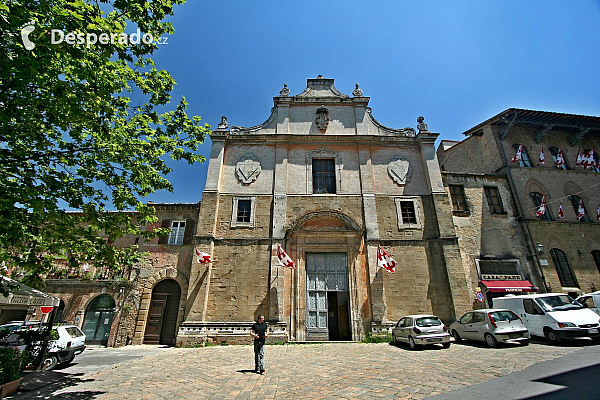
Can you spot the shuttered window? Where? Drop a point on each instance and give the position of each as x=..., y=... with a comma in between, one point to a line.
x=565, y=275
x=494, y=201
x=457, y=193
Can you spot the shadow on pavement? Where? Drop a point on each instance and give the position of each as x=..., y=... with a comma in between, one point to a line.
x=246, y=371
x=405, y=346
x=43, y=385
x=577, y=384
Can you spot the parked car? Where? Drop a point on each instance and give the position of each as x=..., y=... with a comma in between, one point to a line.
x=419, y=330
x=16, y=325
x=62, y=351
x=491, y=326
x=591, y=301
x=70, y=342
x=555, y=316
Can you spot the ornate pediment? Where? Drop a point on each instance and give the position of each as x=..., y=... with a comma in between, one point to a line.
x=248, y=169
x=399, y=170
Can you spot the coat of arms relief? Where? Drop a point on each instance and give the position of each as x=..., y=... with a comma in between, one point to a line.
x=248, y=169
x=399, y=170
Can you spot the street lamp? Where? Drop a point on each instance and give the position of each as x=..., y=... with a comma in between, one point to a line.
x=540, y=248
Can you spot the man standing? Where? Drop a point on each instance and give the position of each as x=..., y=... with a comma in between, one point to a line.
x=259, y=332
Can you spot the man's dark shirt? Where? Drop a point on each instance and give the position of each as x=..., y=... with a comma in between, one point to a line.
x=260, y=330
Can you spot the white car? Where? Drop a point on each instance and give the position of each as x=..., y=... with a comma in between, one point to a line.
x=70, y=342
x=491, y=326
x=420, y=330
x=61, y=351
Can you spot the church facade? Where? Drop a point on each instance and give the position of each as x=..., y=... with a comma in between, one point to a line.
x=323, y=179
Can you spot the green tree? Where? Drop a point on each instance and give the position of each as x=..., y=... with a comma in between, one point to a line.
x=70, y=137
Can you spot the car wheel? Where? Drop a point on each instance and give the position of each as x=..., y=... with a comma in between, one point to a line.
x=551, y=336
x=394, y=340
x=490, y=340
x=526, y=342
x=51, y=362
x=456, y=336
x=446, y=345
x=412, y=344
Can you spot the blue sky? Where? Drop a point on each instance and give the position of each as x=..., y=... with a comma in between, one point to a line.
x=456, y=63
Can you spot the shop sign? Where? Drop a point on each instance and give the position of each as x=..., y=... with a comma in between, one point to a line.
x=497, y=277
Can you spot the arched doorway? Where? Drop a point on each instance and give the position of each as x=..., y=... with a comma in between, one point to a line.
x=162, y=317
x=60, y=311
x=98, y=319
x=327, y=291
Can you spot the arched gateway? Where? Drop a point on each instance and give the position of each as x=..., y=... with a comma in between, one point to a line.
x=162, y=317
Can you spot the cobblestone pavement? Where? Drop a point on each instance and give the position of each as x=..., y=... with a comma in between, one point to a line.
x=315, y=371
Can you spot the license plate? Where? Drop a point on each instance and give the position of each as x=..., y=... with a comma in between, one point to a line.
x=434, y=340
x=515, y=335
x=593, y=331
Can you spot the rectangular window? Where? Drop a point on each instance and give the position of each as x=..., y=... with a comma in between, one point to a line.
x=177, y=232
x=323, y=171
x=242, y=213
x=494, y=201
x=457, y=193
x=244, y=210
x=407, y=209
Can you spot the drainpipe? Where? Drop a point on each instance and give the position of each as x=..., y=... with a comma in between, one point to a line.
x=520, y=213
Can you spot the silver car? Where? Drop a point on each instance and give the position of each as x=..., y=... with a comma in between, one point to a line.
x=419, y=330
x=491, y=326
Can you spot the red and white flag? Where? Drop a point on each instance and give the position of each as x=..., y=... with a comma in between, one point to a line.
x=560, y=160
x=578, y=157
x=561, y=213
x=384, y=260
x=517, y=157
x=203, y=258
x=581, y=210
x=283, y=259
x=542, y=209
x=542, y=160
x=587, y=160
x=598, y=214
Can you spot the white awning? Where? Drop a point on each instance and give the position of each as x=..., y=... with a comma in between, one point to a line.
x=25, y=295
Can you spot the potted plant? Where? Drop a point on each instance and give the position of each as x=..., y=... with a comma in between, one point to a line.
x=10, y=370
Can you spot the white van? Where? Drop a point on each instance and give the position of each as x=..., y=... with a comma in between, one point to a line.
x=555, y=316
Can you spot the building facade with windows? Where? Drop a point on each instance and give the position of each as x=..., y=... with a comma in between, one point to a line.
x=558, y=169
x=143, y=304
x=329, y=184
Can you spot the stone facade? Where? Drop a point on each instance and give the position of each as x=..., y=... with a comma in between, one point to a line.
x=489, y=148
x=272, y=170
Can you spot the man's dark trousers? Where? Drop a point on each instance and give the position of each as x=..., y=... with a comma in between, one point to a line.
x=259, y=355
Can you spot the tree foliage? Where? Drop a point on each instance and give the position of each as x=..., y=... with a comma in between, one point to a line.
x=70, y=137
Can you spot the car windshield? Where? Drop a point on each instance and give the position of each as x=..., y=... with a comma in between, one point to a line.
x=428, y=321
x=504, y=316
x=559, y=303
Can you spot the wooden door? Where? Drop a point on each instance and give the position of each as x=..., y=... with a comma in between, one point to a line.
x=155, y=318
x=161, y=327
